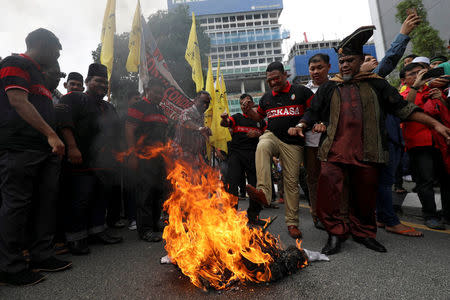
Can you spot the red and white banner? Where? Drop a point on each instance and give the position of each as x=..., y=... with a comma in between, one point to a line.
x=153, y=65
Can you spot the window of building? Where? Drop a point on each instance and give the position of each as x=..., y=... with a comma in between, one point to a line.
x=217, y=20
x=261, y=52
x=251, y=46
x=265, y=22
x=253, y=53
x=229, y=63
x=257, y=16
x=243, y=47
x=203, y=21
x=257, y=23
x=229, y=55
x=265, y=16
x=232, y=25
x=226, y=26
x=211, y=27
x=232, y=18
x=213, y=56
x=214, y=64
x=273, y=15
x=244, y=54
x=276, y=44
x=218, y=26
x=237, y=62
x=260, y=46
x=227, y=48
x=248, y=17
x=235, y=55
x=269, y=60
x=221, y=56
x=225, y=19
x=235, y=48
x=240, y=18
x=253, y=61
x=244, y=62
x=268, y=45
x=210, y=20
x=213, y=50
x=248, y=24
x=262, y=60
x=241, y=25
x=269, y=52
x=273, y=21
x=220, y=49
x=277, y=51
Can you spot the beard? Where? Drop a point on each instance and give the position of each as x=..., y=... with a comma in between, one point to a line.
x=347, y=78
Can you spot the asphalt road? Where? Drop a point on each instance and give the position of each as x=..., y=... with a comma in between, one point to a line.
x=413, y=268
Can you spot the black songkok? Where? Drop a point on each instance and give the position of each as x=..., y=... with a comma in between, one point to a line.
x=353, y=44
x=98, y=70
x=438, y=58
x=75, y=76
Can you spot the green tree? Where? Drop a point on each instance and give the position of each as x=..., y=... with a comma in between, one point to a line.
x=122, y=81
x=171, y=32
x=425, y=39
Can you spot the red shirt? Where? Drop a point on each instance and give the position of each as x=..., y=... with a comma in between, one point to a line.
x=437, y=109
x=416, y=134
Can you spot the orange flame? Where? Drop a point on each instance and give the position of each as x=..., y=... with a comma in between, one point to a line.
x=206, y=237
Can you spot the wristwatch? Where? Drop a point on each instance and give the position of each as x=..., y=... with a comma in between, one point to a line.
x=300, y=125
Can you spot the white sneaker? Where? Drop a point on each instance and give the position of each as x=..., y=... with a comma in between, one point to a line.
x=132, y=225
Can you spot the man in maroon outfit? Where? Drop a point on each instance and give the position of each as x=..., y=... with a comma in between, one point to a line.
x=349, y=110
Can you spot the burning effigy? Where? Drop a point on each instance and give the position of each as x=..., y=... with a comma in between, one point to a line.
x=207, y=238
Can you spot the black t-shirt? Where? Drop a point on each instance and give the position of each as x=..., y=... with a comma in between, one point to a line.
x=284, y=110
x=95, y=126
x=241, y=125
x=21, y=72
x=150, y=120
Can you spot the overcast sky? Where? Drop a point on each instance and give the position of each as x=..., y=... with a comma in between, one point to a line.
x=78, y=23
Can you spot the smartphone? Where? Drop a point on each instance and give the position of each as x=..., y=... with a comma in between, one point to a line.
x=434, y=73
x=411, y=11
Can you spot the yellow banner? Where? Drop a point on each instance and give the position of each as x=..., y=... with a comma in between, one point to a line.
x=134, y=44
x=107, y=36
x=192, y=56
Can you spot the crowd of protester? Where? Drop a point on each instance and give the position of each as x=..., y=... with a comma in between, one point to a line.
x=342, y=139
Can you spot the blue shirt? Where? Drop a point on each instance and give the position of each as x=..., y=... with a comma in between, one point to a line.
x=392, y=56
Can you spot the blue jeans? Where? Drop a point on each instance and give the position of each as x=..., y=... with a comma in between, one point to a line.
x=385, y=210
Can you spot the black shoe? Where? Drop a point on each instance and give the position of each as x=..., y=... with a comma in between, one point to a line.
x=22, y=278
x=256, y=222
x=435, y=223
x=79, y=247
x=319, y=225
x=370, y=243
x=51, y=264
x=105, y=239
x=332, y=246
x=152, y=237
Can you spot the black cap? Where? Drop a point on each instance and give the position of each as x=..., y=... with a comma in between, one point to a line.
x=75, y=76
x=438, y=58
x=353, y=44
x=98, y=70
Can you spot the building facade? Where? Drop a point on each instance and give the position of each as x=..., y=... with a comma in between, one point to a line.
x=383, y=17
x=245, y=36
x=300, y=54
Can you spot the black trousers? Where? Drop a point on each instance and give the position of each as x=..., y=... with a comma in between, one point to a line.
x=241, y=163
x=151, y=191
x=29, y=188
x=87, y=201
x=427, y=166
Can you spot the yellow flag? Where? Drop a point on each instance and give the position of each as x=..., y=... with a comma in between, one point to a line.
x=220, y=135
x=192, y=56
x=209, y=87
x=134, y=44
x=107, y=37
x=223, y=91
